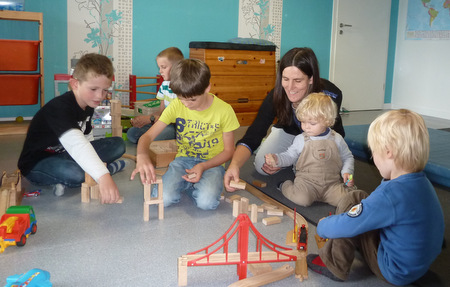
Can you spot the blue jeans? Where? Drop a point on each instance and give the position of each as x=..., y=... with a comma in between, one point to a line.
x=134, y=134
x=205, y=193
x=61, y=168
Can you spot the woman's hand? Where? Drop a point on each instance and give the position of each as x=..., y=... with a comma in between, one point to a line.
x=232, y=174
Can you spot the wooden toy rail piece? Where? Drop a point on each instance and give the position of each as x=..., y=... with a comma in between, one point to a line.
x=242, y=225
x=10, y=190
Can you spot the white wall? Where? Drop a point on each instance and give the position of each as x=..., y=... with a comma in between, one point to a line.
x=421, y=73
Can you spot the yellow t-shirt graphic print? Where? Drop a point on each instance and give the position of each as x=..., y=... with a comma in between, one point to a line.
x=199, y=133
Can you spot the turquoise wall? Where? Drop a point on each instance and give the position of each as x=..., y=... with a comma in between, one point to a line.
x=307, y=23
x=161, y=24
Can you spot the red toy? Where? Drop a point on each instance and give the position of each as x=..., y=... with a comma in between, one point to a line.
x=16, y=225
x=32, y=193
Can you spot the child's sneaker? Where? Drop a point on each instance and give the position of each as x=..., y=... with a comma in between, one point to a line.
x=316, y=264
x=58, y=189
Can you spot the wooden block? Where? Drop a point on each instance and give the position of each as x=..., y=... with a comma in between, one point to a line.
x=274, y=211
x=268, y=206
x=253, y=213
x=163, y=152
x=89, y=180
x=259, y=183
x=4, y=201
x=238, y=185
x=232, y=198
x=259, y=268
x=85, y=194
x=271, y=220
x=95, y=192
x=116, y=107
x=244, y=205
x=236, y=207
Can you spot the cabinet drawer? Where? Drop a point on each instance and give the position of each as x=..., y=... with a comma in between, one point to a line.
x=236, y=62
x=242, y=88
x=252, y=106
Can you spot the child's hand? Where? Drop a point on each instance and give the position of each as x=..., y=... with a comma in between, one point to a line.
x=270, y=166
x=146, y=169
x=194, y=174
x=271, y=160
x=348, y=179
x=109, y=192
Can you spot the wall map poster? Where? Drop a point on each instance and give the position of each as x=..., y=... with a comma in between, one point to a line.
x=428, y=19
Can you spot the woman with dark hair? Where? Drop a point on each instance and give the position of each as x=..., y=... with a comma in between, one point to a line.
x=297, y=76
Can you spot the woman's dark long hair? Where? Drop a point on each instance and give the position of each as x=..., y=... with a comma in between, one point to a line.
x=305, y=60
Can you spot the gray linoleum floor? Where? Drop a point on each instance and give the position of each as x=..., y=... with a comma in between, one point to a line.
x=91, y=244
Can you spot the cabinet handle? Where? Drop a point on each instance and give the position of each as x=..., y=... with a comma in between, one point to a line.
x=242, y=100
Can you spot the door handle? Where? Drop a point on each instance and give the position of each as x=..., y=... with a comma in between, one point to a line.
x=344, y=25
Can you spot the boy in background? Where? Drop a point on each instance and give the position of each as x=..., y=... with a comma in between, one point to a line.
x=59, y=146
x=323, y=161
x=165, y=60
x=399, y=227
x=205, y=139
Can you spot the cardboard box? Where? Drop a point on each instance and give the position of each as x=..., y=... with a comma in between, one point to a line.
x=163, y=152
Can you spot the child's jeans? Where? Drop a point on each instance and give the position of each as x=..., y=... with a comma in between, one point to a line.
x=61, y=168
x=134, y=134
x=205, y=193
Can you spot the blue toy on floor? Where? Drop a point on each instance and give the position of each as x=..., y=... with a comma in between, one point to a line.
x=33, y=278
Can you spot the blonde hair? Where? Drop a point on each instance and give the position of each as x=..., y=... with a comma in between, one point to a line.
x=317, y=106
x=405, y=134
x=173, y=54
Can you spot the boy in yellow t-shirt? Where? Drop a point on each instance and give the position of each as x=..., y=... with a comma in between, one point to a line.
x=204, y=135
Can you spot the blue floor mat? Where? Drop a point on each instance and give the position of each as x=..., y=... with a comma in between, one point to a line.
x=438, y=166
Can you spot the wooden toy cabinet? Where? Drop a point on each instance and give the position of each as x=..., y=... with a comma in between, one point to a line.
x=241, y=74
x=18, y=56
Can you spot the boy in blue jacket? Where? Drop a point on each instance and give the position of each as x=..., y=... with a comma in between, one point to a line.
x=399, y=228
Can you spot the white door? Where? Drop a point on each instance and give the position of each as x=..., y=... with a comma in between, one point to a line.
x=359, y=52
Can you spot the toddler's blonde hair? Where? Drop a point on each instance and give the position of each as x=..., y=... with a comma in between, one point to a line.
x=317, y=106
x=173, y=54
x=405, y=134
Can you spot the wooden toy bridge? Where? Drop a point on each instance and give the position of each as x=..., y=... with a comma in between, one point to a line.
x=242, y=225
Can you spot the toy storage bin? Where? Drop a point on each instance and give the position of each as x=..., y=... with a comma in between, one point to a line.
x=18, y=55
x=140, y=109
x=19, y=89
